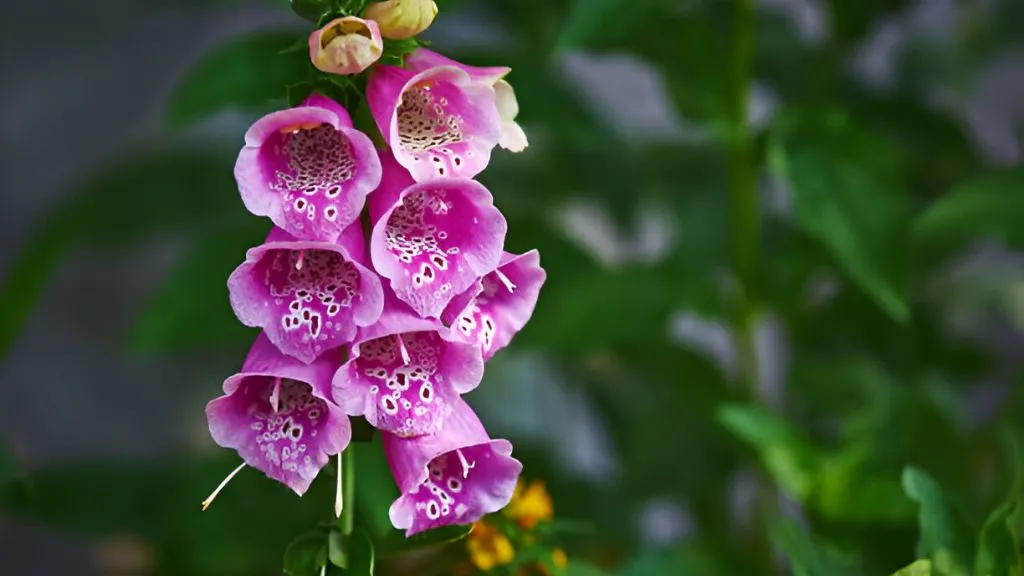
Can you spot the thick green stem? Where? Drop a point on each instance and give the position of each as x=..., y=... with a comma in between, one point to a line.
x=348, y=488
x=745, y=241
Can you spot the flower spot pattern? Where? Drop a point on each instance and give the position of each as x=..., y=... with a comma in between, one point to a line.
x=408, y=392
x=448, y=496
x=311, y=168
x=285, y=436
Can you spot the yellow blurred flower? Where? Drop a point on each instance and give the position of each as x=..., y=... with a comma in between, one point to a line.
x=530, y=504
x=488, y=547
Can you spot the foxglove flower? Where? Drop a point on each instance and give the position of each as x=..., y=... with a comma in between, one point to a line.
x=307, y=169
x=403, y=375
x=346, y=46
x=453, y=477
x=308, y=297
x=438, y=122
x=277, y=415
x=401, y=19
x=432, y=240
x=512, y=138
x=499, y=304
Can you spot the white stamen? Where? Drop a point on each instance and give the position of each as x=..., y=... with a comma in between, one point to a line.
x=466, y=465
x=339, y=497
x=302, y=257
x=504, y=280
x=275, y=396
x=209, y=499
x=405, y=353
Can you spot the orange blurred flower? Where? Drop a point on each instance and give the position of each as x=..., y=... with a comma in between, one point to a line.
x=530, y=504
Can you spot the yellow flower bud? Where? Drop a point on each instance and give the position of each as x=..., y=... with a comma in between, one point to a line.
x=346, y=45
x=400, y=19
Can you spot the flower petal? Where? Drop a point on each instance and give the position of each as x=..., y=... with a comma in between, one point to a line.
x=277, y=415
x=493, y=311
x=307, y=170
x=453, y=477
x=436, y=241
x=308, y=297
x=438, y=122
x=404, y=375
x=424, y=59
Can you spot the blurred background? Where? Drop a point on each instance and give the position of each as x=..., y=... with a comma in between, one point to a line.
x=782, y=241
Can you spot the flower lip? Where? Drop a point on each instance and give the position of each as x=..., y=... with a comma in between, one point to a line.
x=436, y=240
x=277, y=414
x=307, y=296
x=307, y=169
x=438, y=122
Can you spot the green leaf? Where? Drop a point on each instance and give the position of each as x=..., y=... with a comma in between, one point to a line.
x=435, y=538
x=848, y=193
x=807, y=557
x=249, y=73
x=142, y=195
x=998, y=547
x=988, y=206
x=306, y=555
x=590, y=20
x=192, y=309
x=584, y=569
x=919, y=568
x=945, y=536
x=789, y=459
x=354, y=554
x=310, y=10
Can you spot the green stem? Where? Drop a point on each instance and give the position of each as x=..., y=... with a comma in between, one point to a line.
x=348, y=490
x=745, y=242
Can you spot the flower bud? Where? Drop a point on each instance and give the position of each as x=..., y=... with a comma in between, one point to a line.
x=346, y=45
x=400, y=19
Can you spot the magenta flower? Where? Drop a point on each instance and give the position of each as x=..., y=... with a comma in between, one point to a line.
x=432, y=240
x=307, y=169
x=452, y=477
x=277, y=415
x=499, y=305
x=403, y=375
x=512, y=136
x=308, y=297
x=438, y=122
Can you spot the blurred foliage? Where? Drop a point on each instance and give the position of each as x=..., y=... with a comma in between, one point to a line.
x=873, y=439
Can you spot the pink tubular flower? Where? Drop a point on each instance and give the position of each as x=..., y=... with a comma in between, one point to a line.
x=346, y=46
x=308, y=297
x=453, y=477
x=499, y=305
x=438, y=122
x=307, y=169
x=512, y=138
x=403, y=375
x=277, y=415
x=432, y=240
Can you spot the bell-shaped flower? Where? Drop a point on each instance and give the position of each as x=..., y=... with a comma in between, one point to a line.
x=308, y=297
x=452, y=477
x=404, y=375
x=432, y=240
x=346, y=45
x=499, y=305
x=438, y=122
x=512, y=137
x=401, y=19
x=307, y=169
x=277, y=414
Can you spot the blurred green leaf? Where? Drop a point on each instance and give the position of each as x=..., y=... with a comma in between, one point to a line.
x=429, y=539
x=10, y=469
x=848, y=193
x=945, y=536
x=580, y=568
x=789, y=459
x=375, y=491
x=357, y=556
x=590, y=20
x=998, y=547
x=919, y=568
x=306, y=555
x=848, y=490
x=807, y=557
x=310, y=10
x=990, y=205
x=191, y=309
x=248, y=74
x=145, y=193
